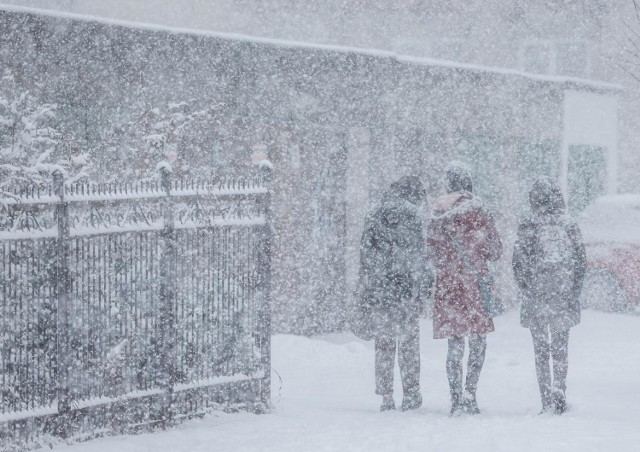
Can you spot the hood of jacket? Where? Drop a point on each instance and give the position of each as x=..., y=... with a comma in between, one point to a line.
x=458, y=203
x=546, y=197
x=407, y=188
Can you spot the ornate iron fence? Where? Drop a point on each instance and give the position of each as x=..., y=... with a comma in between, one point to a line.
x=132, y=304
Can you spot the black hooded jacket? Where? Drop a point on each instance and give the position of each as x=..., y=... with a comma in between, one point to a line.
x=549, y=260
x=393, y=260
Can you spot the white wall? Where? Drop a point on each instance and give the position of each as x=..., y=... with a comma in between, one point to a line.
x=591, y=119
x=357, y=199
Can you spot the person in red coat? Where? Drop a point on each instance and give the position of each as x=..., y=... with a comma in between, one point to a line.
x=461, y=234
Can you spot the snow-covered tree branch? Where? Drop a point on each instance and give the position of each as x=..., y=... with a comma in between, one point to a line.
x=31, y=147
x=176, y=132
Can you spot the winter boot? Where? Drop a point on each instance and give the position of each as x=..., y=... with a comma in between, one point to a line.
x=469, y=403
x=560, y=401
x=548, y=407
x=457, y=408
x=411, y=401
x=387, y=404
x=548, y=404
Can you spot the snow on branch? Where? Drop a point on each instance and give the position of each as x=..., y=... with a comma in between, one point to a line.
x=31, y=147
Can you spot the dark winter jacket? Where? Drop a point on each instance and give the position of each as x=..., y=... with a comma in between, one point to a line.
x=549, y=261
x=461, y=217
x=394, y=270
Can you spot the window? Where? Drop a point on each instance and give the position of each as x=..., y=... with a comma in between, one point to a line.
x=535, y=159
x=484, y=156
x=537, y=57
x=450, y=49
x=572, y=59
x=587, y=175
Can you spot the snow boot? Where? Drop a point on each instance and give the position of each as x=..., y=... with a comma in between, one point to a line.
x=560, y=401
x=457, y=407
x=411, y=401
x=387, y=404
x=548, y=404
x=469, y=403
x=548, y=407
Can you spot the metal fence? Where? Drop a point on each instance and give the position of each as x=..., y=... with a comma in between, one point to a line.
x=131, y=304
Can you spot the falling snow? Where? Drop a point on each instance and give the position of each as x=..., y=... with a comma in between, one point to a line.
x=220, y=222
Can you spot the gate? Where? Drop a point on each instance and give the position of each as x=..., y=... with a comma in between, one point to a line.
x=128, y=305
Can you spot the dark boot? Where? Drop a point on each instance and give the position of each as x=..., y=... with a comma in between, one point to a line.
x=454, y=374
x=411, y=401
x=457, y=408
x=477, y=351
x=469, y=403
x=387, y=404
x=548, y=405
x=559, y=401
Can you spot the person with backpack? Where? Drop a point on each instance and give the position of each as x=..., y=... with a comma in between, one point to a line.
x=394, y=276
x=462, y=238
x=549, y=264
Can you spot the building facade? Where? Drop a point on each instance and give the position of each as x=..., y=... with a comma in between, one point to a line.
x=339, y=124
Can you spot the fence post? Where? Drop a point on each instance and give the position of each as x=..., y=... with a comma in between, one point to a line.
x=167, y=300
x=63, y=294
x=264, y=283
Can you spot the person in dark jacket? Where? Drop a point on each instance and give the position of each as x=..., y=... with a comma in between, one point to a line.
x=549, y=264
x=462, y=238
x=395, y=276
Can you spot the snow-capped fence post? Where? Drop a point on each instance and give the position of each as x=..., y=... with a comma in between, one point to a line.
x=264, y=284
x=62, y=286
x=168, y=276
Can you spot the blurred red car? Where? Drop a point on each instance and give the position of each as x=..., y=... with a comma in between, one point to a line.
x=611, y=230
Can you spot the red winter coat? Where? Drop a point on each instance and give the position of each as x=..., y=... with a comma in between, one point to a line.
x=457, y=309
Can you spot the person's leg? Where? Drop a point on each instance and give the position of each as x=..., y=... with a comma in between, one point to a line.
x=454, y=373
x=540, y=336
x=477, y=352
x=385, y=349
x=409, y=362
x=560, y=359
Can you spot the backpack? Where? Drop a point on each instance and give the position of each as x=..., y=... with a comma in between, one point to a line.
x=389, y=259
x=395, y=242
x=553, y=245
x=553, y=257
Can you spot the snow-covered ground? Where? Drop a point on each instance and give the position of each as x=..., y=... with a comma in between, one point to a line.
x=326, y=401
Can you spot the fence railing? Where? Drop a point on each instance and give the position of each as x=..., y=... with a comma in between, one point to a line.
x=132, y=304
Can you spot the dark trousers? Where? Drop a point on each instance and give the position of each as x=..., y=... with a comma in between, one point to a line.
x=407, y=341
x=550, y=346
x=477, y=351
